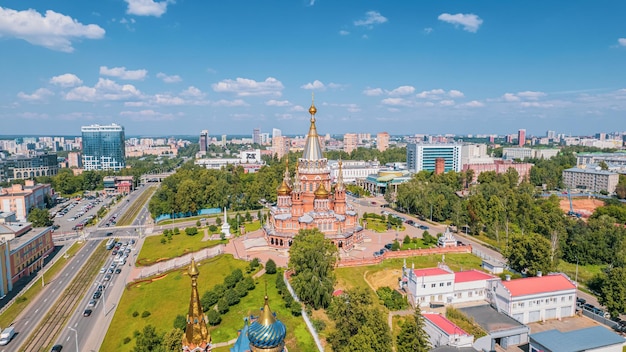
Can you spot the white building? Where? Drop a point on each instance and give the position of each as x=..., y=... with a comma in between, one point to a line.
x=443, y=332
x=590, y=179
x=475, y=154
x=353, y=169
x=532, y=299
x=246, y=157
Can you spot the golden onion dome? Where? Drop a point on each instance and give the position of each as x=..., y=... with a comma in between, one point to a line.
x=193, y=268
x=283, y=189
x=312, y=109
x=321, y=192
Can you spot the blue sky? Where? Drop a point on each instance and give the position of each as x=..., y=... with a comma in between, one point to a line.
x=405, y=67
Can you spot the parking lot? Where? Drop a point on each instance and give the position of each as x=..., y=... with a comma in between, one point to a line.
x=71, y=214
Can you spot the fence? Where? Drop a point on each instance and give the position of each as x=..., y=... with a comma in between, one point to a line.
x=185, y=260
x=403, y=254
x=307, y=321
x=209, y=211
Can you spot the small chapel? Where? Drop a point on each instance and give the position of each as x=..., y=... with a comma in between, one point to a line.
x=311, y=201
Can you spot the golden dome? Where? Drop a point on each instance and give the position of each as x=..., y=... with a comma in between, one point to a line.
x=283, y=189
x=321, y=192
x=193, y=268
x=312, y=109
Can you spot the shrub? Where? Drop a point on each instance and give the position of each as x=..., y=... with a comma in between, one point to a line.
x=126, y=340
x=296, y=309
x=240, y=289
x=135, y=314
x=254, y=263
x=198, y=223
x=391, y=299
x=145, y=314
x=136, y=333
x=248, y=283
x=163, y=240
x=214, y=317
x=270, y=267
x=208, y=300
x=395, y=245
x=176, y=231
x=231, y=297
x=318, y=324
x=20, y=299
x=219, y=290
x=212, y=228
x=222, y=306
x=407, y=239
x=191, y=231
x=180, y=322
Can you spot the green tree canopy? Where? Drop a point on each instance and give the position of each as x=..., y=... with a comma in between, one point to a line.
x=39, y=217
x=412, y=337
x=529, y=254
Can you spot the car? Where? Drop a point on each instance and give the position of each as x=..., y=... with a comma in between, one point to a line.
x=87, y=312
x=110, y=271
x=410, y=222
x=102, y=270
x=108, y=234
x=389, y=245
x=96, y=295
x=100, y=288
x=118, y=270
x=424, y=227
x=580, y=301
x=92, y=303
x=107, y=277
x=56, y=348
x=132, y=241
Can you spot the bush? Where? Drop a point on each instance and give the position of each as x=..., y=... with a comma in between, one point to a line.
x=191, y=231
x=198, y=223
x=135, y=314
x=391, y=299
x=212, y=228
x=270, y=267
x=136, y=333
x=296, y=309
x=163, y=240
x=219, y=290
x=176, y=231
x=249, y=283
x=180, y=322
x=214, y=317
x=21, y=299
x=407, y=239
x=318, y=324
x=231, y=297
x=254, y=263
x=145, y=314
x=208, y=300
x=240, y=289
x=126, y=340
x=222, y=306
x=395, y=246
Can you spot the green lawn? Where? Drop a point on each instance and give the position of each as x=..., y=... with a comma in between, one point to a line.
x=585, y=272
x=167, y=297
x=379, y=225
x=414, y=245
x=153, y=250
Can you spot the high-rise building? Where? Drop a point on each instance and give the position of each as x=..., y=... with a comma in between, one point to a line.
x=350, y=141
x=382, y=141
x=521, y=137
x=103, y=147
x=204, y=141
x=276, y=132
x=423, y=156
x=551, y=134
x=256, y=136
x=280, y=146
x=223, y=140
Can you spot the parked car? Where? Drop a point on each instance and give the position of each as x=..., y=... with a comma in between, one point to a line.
x=424, y=227
x=96, y=295
x=92, y=303
x=580, y=301
x=87, y=312
x=56, y=348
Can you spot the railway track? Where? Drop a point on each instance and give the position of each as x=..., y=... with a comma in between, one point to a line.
x=48, y=330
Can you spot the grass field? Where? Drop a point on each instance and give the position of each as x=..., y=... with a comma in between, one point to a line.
x=128, y=217
x=173, y=293
x=14, y=310
x=585, y=272
x=153, y=250
x=380, y=226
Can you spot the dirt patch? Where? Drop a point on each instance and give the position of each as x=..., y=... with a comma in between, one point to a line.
x=384, y=278
x=585, y=207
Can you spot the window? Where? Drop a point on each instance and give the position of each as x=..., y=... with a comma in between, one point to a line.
x=433, y=285
x=441, y=284
x=514, y=305
x=423, y=286
x=469, y=294
x=521, y=305
x=449, y=284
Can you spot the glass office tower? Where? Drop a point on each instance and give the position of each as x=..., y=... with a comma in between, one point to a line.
x=103, y=147
x=424, y=156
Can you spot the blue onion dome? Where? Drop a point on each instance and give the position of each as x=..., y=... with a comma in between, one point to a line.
x=267, y=333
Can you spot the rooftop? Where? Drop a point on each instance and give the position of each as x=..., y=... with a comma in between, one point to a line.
x=491, y=320
x=590, y=171
x=430, y=272
x=577, y=340
x=471, y=275
x=539, y=284
x=18, y=242
x=444, y=324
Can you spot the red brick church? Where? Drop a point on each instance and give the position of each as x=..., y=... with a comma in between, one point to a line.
x=310, y=201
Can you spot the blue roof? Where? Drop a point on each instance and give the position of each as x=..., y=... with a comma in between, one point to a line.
x=576, y=340
x=243, y=343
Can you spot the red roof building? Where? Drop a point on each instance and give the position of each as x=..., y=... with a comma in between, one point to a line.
x=443, y=332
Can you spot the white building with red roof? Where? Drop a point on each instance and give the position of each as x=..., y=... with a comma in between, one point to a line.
x=441, y=286
x=534, y=299
x=443, y=332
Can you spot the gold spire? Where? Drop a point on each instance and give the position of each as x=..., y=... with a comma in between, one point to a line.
x=267, y=317
x=196, y=333
x=321, y=192
x=339, y=186
x=312, y=109
x=296, y=178
x=312, y=148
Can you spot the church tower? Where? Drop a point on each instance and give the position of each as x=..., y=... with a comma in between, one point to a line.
x=340, y=192
x=196, y=337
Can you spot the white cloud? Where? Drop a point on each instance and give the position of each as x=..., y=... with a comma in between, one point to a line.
x=343, y=32
x=147, y=7
x=298, y=108
x=470, y=22
x=535, y=104
x=371, y=18
x=123, y=73
x=53, y=30
x=510, y=97
x=474, y=104
x=397, y=102
x=168, y=79
x=372, y=92
x=230, y=103
x=277, y=103
x=166, y=99
x=104, y=90
x=38, y=95
x=402, y=90
x=284, y=116
x=316, y=85
x=193, y=92
x=431, y=94
x=446, y=102
x=456, y=94
x=249, y=87
x=530, y=95
x=66, y=80
x=621, y=41
x=147, y=115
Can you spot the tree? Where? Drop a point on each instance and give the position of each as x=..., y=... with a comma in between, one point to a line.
x=406, y=240
x=613, y=290
x=529, y=254
x=171, y=340
x=148, y=340
x=39, y=217
x=180, y=322
x=359, y=324
x=218, y=221
x=208, y=300
x=313, y=258
x=270, y=267
x=214, y=317
x=191, y=231
x=412, y=337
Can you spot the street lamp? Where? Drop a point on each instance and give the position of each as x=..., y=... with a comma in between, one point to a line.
x=76, y=335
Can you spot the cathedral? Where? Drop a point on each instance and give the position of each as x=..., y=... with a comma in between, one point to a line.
x=309, y=201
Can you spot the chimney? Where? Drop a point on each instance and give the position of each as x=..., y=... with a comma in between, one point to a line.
x=538, y=273
x=507, y=277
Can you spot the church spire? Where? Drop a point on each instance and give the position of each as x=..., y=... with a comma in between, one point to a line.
x=196, y=337
x=312, y=148
x=296, y=179
x=339, y=186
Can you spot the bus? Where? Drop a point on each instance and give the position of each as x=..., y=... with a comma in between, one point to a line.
x=110, y=243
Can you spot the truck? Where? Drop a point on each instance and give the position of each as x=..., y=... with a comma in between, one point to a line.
x=6, y=335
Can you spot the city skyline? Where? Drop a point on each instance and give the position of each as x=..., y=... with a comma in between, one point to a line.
x=427, y=68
